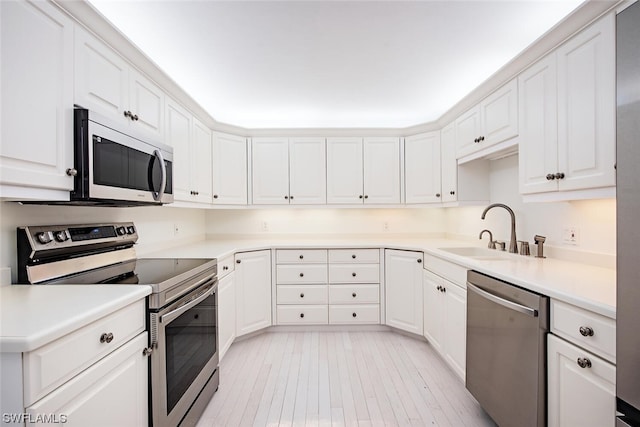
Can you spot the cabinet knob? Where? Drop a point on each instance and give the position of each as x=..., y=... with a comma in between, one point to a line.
x=238, y=261
x=354, y=315
x=560, y=175
x=301, y=256
x=437, y=194
x=286, y=197
x=476, y=140
x=353, y=274
x=353, y=295
x=586, y=331
x=215, y=196
x=302, y=295
x=106, y=337
x=127, y=114
x=301, y=274
x=481, y=139
x=135, y=117
x=438, y=287
x=353, y=256
x=360, y=196
x=72, y=172
x=147, y=351
x=301, y=315
x=584, y=362
x=452, y=192
x=419, y=261
x=550, y=177
x=444, y=289
x=291, y=197
x=225, y=267
x=366, y=196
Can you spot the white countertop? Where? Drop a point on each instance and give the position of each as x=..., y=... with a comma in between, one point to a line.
x=32, y=316
x=586, y=286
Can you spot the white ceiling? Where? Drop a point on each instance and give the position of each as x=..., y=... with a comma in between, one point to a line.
x=291, y=64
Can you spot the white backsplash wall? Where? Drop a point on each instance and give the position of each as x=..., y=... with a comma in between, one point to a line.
x=156, y=225
x=595, y=220
x=265, y=222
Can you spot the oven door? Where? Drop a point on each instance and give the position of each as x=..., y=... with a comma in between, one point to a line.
x=185, y=356
x=121, y=167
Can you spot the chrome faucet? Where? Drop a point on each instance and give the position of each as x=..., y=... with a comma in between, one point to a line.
x=513, y=246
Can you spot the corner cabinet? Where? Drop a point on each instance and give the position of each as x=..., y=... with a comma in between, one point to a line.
x=229, y=169
x=253, y=291
x=403, y=290
x=36, y=69
x=363, y=170
x=567, y=116
x=422, y=176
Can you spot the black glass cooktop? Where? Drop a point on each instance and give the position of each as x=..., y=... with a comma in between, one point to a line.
x=151, y=271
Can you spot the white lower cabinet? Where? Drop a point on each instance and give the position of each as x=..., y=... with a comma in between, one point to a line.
x=112, y=392
x=226, y=313
x=445, y=319
x=253, y=291
x=581, y=387
x=403, y=285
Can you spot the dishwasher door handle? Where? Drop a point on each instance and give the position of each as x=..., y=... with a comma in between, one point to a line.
x=503, y=302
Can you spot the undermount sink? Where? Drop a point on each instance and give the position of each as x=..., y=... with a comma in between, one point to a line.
x=478, y=253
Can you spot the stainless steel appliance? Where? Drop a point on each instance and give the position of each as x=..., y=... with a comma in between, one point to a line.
x=628, y=206
x=182, y=315
x=506, y=350
x=113, y=166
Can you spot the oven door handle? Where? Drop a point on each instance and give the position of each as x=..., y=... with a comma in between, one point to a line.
x=163, y=180
x=503, y=302
x=178, y=311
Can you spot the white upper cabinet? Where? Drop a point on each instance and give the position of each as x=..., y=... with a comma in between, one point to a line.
x=422, y=175
x=449, y=163
x=567, y=116
x=229, y=169
x=107, y=84
x=363, y=170
x=201, y=162
x=36, y=57
x=492, y=121
x=288, y=171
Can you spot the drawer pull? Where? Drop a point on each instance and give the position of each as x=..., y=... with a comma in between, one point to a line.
x=353, y=294
x=301, y=315
x=353, y=274
x=238, y=261
x=301, y=274
x=353, y=256
x=301, y=295
x=419, y=261
x=584, y=363
x=586, y=331
x=301, y=256
x=354, y=315
x=106, y=337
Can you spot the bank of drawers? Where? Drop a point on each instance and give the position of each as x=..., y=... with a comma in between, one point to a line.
x=336, y=286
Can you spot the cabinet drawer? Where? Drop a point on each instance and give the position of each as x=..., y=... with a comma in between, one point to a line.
x=599, y=331
x=51, y=365
x=354, y=273
x=302, y=315
x=307, y=256
x=225, y=266
x=305, y=294
x=367, y=256
x=354, y=294
x=303, y=273
x=352, y=314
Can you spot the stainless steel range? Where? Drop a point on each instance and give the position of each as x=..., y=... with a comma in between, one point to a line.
x=182, y=314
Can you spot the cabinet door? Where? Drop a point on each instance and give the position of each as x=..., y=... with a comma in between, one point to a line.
x=253, y=291
x=538, y=124
x=579, y=396
x=422, y=168
x=307, y=171
x=455, y=327
x=467, y=131
x=36, y=69
x=344, y=171
x=449, y=163
x=587, y=108
x=229, y=169
x=403, y=290
x=270, y=167
x=116, y=388
x=226, y=313
x=499, y=115
x=382, y=170
x=201, y=162
x=433, y=309
x=101, y=77
x=178, y=135
x=146, y=102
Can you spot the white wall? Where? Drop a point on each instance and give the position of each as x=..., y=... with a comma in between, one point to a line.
x=414, y=221
x=155, y=224
x=594, y=219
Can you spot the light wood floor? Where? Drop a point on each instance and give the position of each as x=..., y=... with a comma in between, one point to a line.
x=339, y=378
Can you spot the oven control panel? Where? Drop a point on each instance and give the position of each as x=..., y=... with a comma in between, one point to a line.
x=45, y=237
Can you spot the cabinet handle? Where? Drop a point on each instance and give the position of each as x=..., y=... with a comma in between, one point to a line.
x=301, y=315
x=437, y=194
x=353, y=274
x=481, y=139
x=438, y=287
x=476, y=140
x=238, y=261
x=72, y=172
x=560, y=175
x=127, y=114
x=301, y=295
x=584, y=363
x=354, y=315
x=360, y=196
x=226, y=267
x=586, y=331
x=452, y=192
x=353, y=295
x=106, y=337
x=366, y=196
x=286, y=197
x=444, y=289
x=135, y=117
x=147, y=351
x=215, y=196
x=353, y=256
x=550, y=177
x=301, y=257
x=301, y=274
x=291, y=197
x=419, y=261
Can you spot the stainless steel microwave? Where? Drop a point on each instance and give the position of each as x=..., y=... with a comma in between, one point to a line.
x=115, y=168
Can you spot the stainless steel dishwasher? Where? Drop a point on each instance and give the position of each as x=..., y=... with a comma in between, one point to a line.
x=506, y=350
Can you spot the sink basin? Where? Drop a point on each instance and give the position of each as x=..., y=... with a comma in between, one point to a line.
x=477, y=253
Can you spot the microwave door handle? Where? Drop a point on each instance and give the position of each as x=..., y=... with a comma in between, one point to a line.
x=163, y=180
x=178, y=311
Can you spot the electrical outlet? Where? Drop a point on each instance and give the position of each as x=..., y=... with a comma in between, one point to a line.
x=571, y=235
x=176, y=229
x=264, y=226
x=385, y=226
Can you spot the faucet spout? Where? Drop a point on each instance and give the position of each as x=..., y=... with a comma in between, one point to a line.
x=513, y=245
